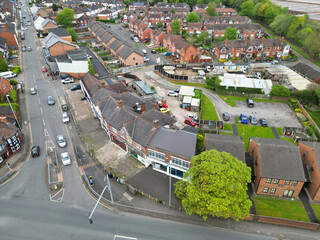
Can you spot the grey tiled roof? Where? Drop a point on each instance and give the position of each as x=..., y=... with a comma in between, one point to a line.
x=226, y=143
x=77, y=55
x=125, y=52
x=60, y=32
x=276, y=42
x=140, y=130
x=102, y=93
x=129, y=99
x=52, y=39
x=115, y=44
x=48, y=20
x=178, y=142
x=101, y=31
x=106, y=37
x=151, y=115
x=91, y=83
x=279, y=159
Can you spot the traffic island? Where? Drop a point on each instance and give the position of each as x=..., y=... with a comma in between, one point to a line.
x=54, y=173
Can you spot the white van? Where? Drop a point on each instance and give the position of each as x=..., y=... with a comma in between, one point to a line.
x=144, y=51
x=201, y=73
x=8, y=74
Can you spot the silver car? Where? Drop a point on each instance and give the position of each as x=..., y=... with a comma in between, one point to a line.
x=51, y=100
x=33, y=91
x=61, y=141
x=65, y=118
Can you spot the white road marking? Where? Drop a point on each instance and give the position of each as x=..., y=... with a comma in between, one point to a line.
x=43, y=122
x=46, y=133
x=49, y=144
x=59, y=199
x=123, y=237
x=41, y=110
x=127, y=196
x=39, y=100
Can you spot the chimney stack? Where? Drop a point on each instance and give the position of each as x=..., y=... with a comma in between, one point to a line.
x=245, y=41
x=226, y=42
x=154, y=106
x=262, y=41
x=155, y=122
x=119, y=103
x=3, y=119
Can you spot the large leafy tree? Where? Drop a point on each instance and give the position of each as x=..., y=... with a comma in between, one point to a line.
x=216, y=185
x=247, y=9
x=3, y=65
x=281, y=23
x=175, y=26
x=192, y=17
x=231, y=33
x=211, y=10
x=73, y=34
x=65, y=18
x=280, y=91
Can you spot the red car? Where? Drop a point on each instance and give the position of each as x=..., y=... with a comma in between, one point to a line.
x=190, y=122
x=146, y=41
x=44, y=69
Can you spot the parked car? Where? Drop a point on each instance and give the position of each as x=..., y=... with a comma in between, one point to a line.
x=136, y=39
x=250, y=103
x=51, y=100
x=153, y=51
x=29, y=23
x=225, y=116
x=190, y=122
x=177, y=90
x=67, y=80
x=132, y=37
x=89, y=56
x=29, y=49
x=146, y=41
x=65, y=117
x=33, y=91
x=263, y=122
x=172, y=94
x=167, y=54
x=193, y=116
x=64, y=75
x=61, y=141
x=13, y=56
x=146, y=59
x=164, y=110
x=44, y=69
x=253, y=120
x=23, y=48
x=75, y=87
x=10, y=65
x=65, y=158
x=243, y=118
x=35, y=151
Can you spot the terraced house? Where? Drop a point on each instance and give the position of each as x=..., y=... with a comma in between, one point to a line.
x=252, y=48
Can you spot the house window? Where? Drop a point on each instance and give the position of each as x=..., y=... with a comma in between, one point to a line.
x=269, y=180
x=134, y=58
x=287, y=182
x=4, y=86
x=250, y=49
x=294, y=183
x=180, y=162
x=273, y=190
x=238, y=49
x=156, y=155
x=275, y=181
x=265, y=190
x=288, y=193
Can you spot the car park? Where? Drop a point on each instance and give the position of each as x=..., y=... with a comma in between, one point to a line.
x=33, y=91
x=250, y=103
x=153, y=51
x=225, y=116
x=65, y=158
x=67, y=80
x=253, y=120
x=190, y=122
x=243, y=118
x=193, y=116
x=172, y=94
x=65, y=118
x=35, y=151
x=61, y=141
x=51, y=100
x=44, y=69
x=263, y=122
x=29, y=49
x=75, y=87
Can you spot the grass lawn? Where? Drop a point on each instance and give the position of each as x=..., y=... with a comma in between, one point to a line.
x=98, y=50
x=148, y=43
x=290, y=140
x=226, y=133
x=247, y=131
x=316, y=209
x=190, y=84
x=231, y=100
x=136, y=45
x=279, y=131
x=227, y=127
x=315, y=115
x=208, y=110
x=104, y=54
x=281, y=208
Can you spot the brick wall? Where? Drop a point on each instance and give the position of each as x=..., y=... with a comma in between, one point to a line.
x=134, y=59
x=60, y=49
x=289, y=223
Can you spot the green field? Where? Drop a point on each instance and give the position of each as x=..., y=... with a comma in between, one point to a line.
x=208, y=110
x=281, y=208
x=231, y=100
x=279, y=131
x=227, y=127
x=247, y=131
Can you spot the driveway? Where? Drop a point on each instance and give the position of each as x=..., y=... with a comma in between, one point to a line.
x=96, y=64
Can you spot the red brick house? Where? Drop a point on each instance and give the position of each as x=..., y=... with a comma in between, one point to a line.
x=156, y=37
x=128, y=57
x=169, y=40
x=278, y=167
x=201, y=10
x=227, y=20
x=184, y=51
x=226, y=12
x=134, y=25
x=252, y=48
x=47, y=24
x=194, y=27
x=57, y=46
x=8, y=32
x=144, y=32
x=105, y=15
x=83, y=20
x=5, y=87
x=310, y=155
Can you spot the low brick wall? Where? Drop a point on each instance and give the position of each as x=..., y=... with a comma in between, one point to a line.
x=288, y=223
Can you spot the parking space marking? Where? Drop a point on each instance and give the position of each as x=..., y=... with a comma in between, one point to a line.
x=49, y=144
x=116, y=237
x=46, y=133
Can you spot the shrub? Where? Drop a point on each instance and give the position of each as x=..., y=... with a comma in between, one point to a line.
x=298, y=110
x=303, y=118
x=309, y=131
x=197, y=93
x=16, y=69
x=223, y=60
x=13, y=82
x=316, y=132
x=13, y=95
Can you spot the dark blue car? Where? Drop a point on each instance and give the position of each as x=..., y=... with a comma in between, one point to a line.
x=243, y=118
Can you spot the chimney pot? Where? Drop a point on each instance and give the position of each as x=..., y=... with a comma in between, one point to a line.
x=3, y=119
x=155, y=122
x=119, y=103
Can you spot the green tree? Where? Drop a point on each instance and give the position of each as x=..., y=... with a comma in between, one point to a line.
x=126, y=2
x=91, y=70
x=280, y=91
x=159, y=25
x=55, y=7
x=247, y=9
x=202, y=36
x=13, y=96
x=231, y=33
x=175, y=26
x=184, y=34
x=269, y=14
x=65, y=18
x=306, y=97
x=200, y=142
x=73, y=34
x=216, y=185
x=192, y=17
x=281, y=23
x=312, y=44
x=211, y=10
x=172, y=11
x=3, y=65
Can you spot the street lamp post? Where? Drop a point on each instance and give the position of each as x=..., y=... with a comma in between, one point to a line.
x=170, y=184
x=14, y=114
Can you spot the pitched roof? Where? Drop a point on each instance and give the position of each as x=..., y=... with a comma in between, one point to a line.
x=279, y=159
x=48, y=20
x=101, y=31
x=115, y=45
x=52, y=39
x=125, y=52
x=226, y=143
x=178, y=142
x=316, y=149
x=151, y=115
x=140, y=130
x=3, y=42
x=106, y=37
x=129, y=99
x=5, y=110
x=60, y=32
x=7, y=130
x=77, y=55
x=251, y=42
x=91, y=83
x=102, y=93
x=91, y=23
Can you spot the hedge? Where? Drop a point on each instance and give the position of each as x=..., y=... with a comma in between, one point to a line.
x=316, y=132
x=16, y=69
x=105, y=20
x=13, y=82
